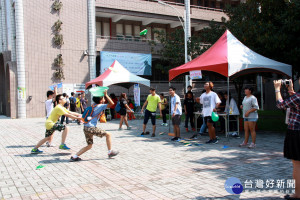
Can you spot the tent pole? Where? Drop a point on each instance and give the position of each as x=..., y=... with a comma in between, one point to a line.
x=169, y=109
x=228, y=103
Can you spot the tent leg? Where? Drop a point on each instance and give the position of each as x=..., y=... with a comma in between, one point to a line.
x=228, y=103
x=169, y=110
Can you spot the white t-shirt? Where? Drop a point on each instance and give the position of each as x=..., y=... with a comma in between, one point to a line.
x=209, y=101
x=174, y=100
x=49, y=106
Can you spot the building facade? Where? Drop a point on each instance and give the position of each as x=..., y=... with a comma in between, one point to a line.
x=37, y=35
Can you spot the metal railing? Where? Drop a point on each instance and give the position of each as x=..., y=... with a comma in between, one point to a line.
x=192, y=6
x=124, y=38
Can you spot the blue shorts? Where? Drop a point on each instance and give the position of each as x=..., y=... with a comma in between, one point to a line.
x=250, y=119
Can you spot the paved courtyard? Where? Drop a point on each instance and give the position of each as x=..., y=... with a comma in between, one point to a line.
x=146, y=168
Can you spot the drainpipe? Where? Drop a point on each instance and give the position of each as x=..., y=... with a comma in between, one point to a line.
x=3, y=26
x=20, y=59
x=92, y=38
x=12, y=32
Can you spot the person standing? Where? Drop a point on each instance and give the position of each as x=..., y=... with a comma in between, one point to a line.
x=90, y=128
x=210, y=101
x=72, y=102
x=112, y=107
x=78, y=106
x=176, y=112
x=83, y=102
x=152, y=101
x=52, y=124
x=164, y=104
x=123, y=111
x=250, y=115
x=189, y=111
x=291, y=148
x=67, y=106
x=50, y=104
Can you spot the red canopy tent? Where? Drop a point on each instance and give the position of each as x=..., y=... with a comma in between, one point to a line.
x=229, y=57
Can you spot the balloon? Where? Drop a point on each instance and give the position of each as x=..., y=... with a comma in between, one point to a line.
x=98, y=91
x=214, y=116
x=143, y=32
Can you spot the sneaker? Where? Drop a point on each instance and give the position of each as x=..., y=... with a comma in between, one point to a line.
x=64, y=146
x=209, y=142
x=120, y=129
x=162, y=124
x=113, y=153
x=215, y=141
x=143, y=133
x=74, y=159
x=153, y=135
x=147, y=133
x=186, y=129
x=49, y=144
x=243, y=144
x=194, y=137
x=36, y=151
x=174, y=138
x=252, y=146
x=129, y=128
x=166, y=124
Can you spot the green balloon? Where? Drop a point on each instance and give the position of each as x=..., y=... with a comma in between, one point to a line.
x=143, y=32
x=214, y=116
x=98, y=91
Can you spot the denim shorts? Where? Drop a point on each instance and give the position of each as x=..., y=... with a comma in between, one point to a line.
x=250, y=119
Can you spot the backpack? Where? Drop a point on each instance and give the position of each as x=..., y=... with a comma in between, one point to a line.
x=118, y=107
x=72, y=102
x=87, y=114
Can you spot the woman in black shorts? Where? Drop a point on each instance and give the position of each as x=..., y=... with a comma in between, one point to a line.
x=123, y=111
x=292, y=138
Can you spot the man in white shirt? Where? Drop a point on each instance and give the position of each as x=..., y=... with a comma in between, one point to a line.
x=210, y=101
x=176, y=112
x=49, y=104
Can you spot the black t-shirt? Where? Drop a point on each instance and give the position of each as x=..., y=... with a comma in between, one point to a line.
x=189, y=103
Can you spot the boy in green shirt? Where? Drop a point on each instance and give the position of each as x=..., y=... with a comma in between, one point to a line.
x=152, y=101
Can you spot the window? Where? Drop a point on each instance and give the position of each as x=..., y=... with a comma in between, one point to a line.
x=213, y=4
x=119, y=29
x=206, y=3
x=199, y=3
x=179, y=1
x=156, y=35
x=137, y=30
x=221, y=5
x=128, y=29
x=148, y=36
x=106, y=29
x=98, y=28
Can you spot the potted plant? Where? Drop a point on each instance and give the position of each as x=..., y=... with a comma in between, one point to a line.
x=57, y=5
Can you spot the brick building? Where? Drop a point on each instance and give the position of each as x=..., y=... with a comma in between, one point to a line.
x=31, y=40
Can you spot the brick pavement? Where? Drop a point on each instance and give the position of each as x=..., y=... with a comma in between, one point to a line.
x=146, y=168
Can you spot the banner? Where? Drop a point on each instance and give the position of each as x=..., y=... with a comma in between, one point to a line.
x=136, y=93
x=136, y=63
x=196, y=74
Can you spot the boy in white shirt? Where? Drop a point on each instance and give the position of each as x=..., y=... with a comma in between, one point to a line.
x=176, y=112
x=210, y=101
x=49, y=104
